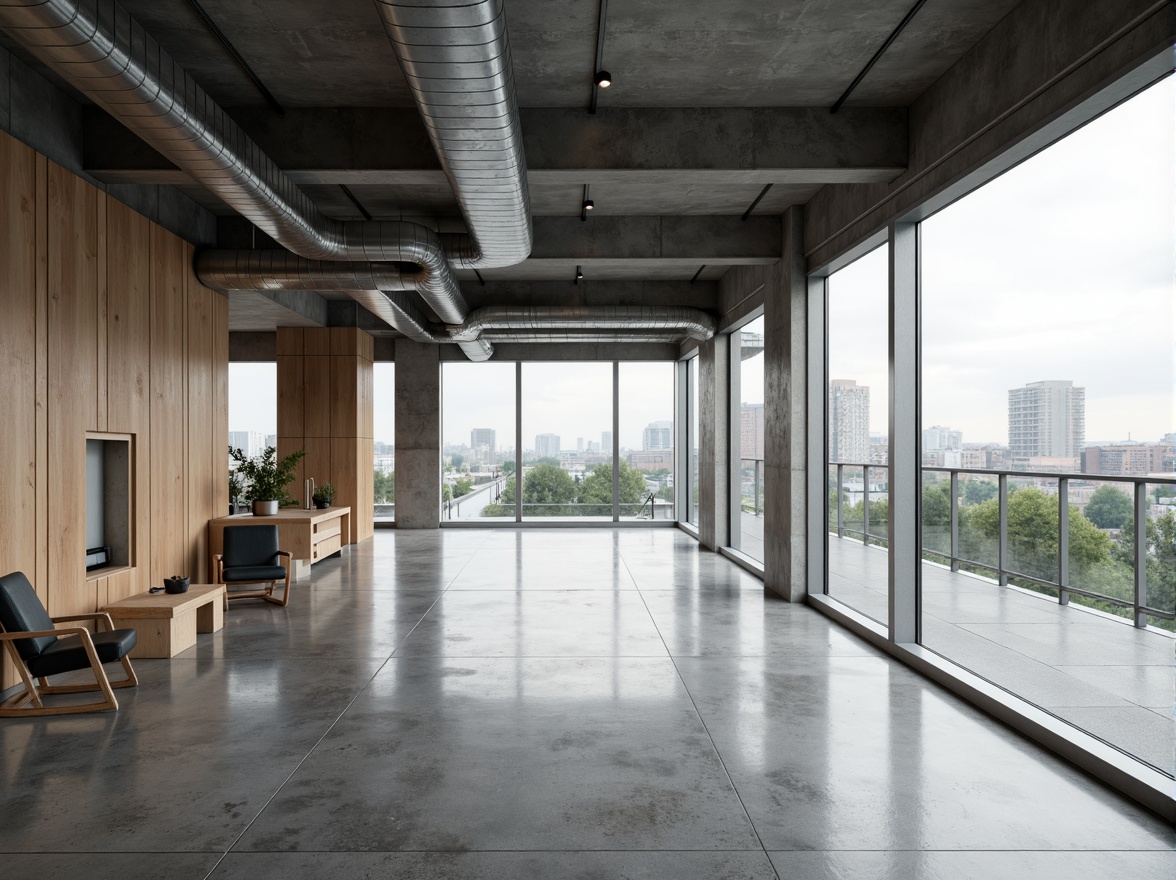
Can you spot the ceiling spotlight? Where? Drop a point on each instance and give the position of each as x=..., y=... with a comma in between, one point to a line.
x=588, y=205
x=603, y=79
x=579, y=273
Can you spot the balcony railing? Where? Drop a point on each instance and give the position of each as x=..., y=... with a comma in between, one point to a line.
x=751, y=470
x=1007, y=564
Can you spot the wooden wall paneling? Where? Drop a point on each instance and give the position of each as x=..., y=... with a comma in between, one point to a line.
x=367, y=398
x=220, y=403
x=72, y=381
x=128, y=334
x=345, y=475
x=344, y=394
x=100, y=251
x=288, y=342
x=41, y=582
x=18, y=365
x=316, y=341
x=363, y=511
x=200, y=399
x=317, y=397
x=168, y=510
x=120, y=585
x=291, y=402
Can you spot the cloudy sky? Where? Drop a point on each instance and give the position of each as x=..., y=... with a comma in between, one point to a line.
x=1063, y=268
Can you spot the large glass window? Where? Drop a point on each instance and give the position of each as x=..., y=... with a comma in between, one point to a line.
x=384, y=441
x=478, y=441
x=253, y=408
x=692, y=440
x=646, y=468
x=747, y=429
x=1047, y=394
x=857, y=414
x=567, y=441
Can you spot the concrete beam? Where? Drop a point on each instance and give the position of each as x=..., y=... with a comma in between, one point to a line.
x=1032, y=79
x=389, y=146
x=699, y=295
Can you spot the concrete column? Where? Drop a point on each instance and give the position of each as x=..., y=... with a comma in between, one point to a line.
x=785, y=441
x=714, y=437
x=418, y=435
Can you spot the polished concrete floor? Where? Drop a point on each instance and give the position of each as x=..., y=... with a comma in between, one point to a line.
x=1096, y=671
x=553, y=703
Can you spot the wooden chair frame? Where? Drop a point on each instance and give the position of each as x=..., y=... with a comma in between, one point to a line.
x=218, y=562
x=31, y=693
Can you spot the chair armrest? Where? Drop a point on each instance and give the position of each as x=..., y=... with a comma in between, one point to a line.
x=94, y=615
x=285, y=553
x=42, y=633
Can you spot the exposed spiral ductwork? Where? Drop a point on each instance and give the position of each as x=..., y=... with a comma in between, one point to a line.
x=377, y=286
x=457, y=61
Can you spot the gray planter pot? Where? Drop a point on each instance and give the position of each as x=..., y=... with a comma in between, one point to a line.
x=265, y=508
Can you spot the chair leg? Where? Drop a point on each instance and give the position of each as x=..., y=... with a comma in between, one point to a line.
x=11, y=708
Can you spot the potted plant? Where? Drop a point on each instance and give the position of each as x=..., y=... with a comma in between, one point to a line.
x=267, y=478
x=323, y=496
x=236, y=487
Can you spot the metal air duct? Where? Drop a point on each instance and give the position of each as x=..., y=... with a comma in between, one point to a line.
x=458, y=64
x=671, y=321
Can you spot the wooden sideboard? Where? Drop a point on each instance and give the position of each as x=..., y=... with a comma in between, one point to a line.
x=307, y=535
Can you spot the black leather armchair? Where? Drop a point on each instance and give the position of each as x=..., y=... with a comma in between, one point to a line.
x=251, y=556
x=38, y=650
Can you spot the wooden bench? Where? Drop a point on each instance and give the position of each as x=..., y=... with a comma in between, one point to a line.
x=167, y=623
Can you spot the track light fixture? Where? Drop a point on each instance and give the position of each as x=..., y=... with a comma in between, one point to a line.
x=588, y=205
x=603, y=79
x=579, y=274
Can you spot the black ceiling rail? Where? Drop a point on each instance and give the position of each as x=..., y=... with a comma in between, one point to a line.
x=889, y=40
x=481, y=280
x=586, y=204
x=355, y=201
x=600, y=22
x=699, y=272
x=232, y=50
x=751, y=207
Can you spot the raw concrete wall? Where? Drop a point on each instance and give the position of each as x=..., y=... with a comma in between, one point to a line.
x=418, y=435
x=785, y=474
x=714, y=385
x=41, y=115
x=1015, y=87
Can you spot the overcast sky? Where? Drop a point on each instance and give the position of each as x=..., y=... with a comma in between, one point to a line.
x=1063, y=268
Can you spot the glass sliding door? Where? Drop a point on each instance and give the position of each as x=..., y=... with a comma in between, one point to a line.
x=384, y=441
x=747, y=439
x=568, y=461
x=646, y=414
x=477, y=442
x=857, y=415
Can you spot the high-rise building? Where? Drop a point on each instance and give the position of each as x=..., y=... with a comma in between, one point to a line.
x=1047, y=419
x=1125, y=458
x=606, y=442
x=849, y=421
x=751, y=430
x=547, y=445
x=249, y=442
x=579, y=444
x=938, y=438
x=484, y=444
x=657, y=435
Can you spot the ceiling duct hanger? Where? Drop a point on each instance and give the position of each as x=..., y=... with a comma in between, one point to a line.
x=213, y=29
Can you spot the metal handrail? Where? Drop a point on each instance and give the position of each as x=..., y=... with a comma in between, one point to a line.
x=1140, y=608
x=757, y=487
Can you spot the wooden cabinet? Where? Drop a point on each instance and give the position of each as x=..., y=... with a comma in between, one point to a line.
x=307, y=535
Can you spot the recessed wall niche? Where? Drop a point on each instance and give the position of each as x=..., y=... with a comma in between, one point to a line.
x=109, y=498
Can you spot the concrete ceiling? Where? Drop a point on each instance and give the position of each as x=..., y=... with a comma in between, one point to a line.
x=711, y=102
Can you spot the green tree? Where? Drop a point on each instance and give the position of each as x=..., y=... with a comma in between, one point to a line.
x=1110, y=508
x=978, y=491
x=463, y=487
x=455, y=461
x=384, y=487
x=548, y=484
x=936, y=504
x=666, y=493
x=508, y=467
x=547, y=459
x=596, y=488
